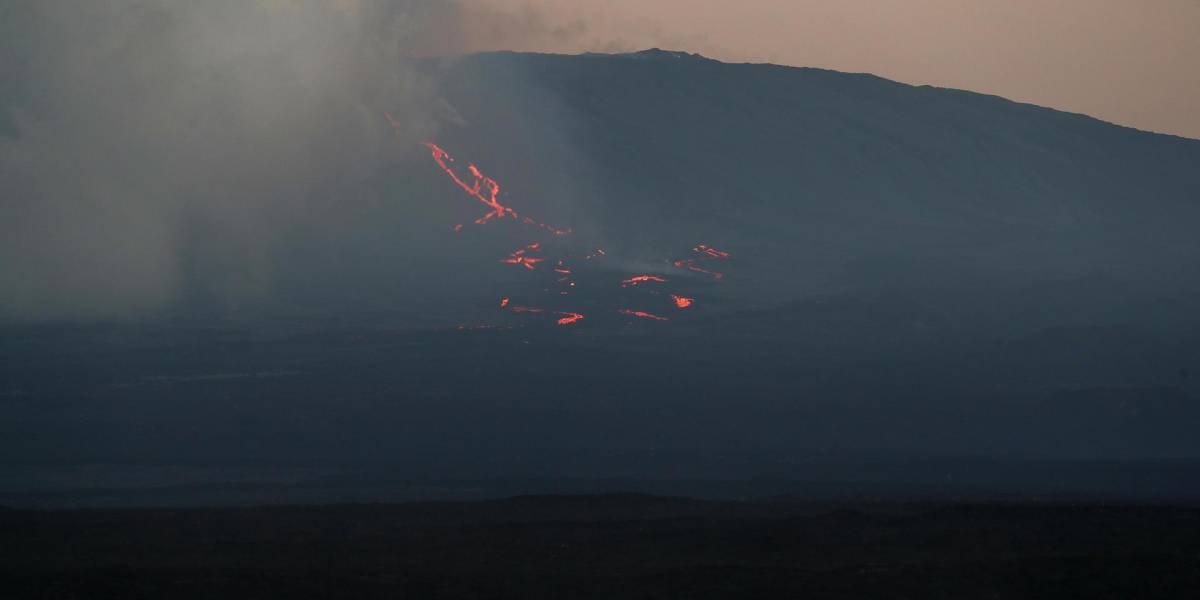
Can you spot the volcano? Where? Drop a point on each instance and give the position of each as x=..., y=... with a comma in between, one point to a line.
x=704, y=270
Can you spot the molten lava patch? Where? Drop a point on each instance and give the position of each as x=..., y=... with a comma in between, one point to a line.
x=569, y=317
x=682, y=301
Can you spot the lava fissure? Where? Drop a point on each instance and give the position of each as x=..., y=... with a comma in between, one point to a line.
x=484, y=189
x=705, y=253
x=487, y=191
x=640, y=279
x=565, y=317
x=641, y=314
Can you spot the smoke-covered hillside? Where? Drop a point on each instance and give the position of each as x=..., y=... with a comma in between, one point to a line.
x=904, y=272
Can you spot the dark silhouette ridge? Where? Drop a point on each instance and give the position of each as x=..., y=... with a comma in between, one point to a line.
x=620, y=545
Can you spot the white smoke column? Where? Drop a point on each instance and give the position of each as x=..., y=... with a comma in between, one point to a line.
x=163, y=143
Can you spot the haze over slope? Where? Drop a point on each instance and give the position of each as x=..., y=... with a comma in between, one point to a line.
x=913, y=271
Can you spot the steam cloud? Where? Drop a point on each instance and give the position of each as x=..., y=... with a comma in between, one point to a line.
x=154, y=152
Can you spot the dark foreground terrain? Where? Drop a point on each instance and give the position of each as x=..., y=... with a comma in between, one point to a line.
x=606, y=546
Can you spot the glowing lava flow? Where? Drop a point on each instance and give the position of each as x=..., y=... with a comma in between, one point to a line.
x=484, y=189
x=710, y=251
x=565, y=318
x=487, y=191
x=705, y=253
x=641, y=315
x=521, y=257
x=569, y=317
x=642, y=279
x=524, y=261
x=476, y=190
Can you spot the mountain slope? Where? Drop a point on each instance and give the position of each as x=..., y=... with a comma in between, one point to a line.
x=913, y=271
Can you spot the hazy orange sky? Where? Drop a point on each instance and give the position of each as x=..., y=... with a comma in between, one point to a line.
x=1132, y=62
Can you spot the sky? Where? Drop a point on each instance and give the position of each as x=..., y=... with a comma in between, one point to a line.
x=1131, y=62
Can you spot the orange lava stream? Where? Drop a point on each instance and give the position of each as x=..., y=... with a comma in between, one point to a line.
x=487, y=191
x=476, y=189
x=641, y=315
x=705, y=253
x=525, y=261
x=682, y=301
x=520, y=257
x=642, y=279
x=710, y=251
x=484, y=189
x=569, y=317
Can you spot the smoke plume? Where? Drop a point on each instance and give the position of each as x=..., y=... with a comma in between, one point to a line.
x=158, y=152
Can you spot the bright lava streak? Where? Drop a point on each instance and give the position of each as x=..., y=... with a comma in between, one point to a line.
x=525, y=261
x=682, y=301
x=642, y=279
x=710, y=251
x=476, y=189
x=705, y=253
x=519, y=257
x=641, y=315
x=569, y=317
x=483, y=188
